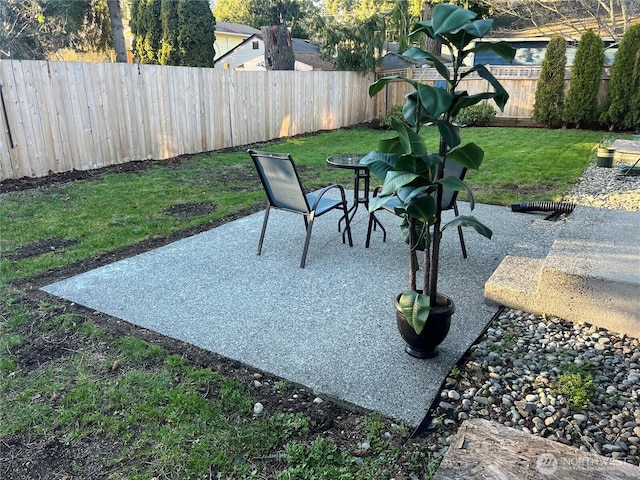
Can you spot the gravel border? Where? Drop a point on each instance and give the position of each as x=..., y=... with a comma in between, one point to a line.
x=573, y=383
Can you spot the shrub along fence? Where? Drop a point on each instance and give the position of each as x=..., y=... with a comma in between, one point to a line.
x=61, y=116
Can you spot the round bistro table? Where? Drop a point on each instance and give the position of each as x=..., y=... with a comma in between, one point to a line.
x=351, y=161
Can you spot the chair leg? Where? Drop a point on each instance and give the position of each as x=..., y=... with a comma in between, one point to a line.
x=264, y=229
x=306, y=242
x=462, y=244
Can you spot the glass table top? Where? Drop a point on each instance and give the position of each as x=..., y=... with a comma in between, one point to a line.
x=347, y=160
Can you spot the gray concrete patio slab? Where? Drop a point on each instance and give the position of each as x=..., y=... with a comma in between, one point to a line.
x=330, y=326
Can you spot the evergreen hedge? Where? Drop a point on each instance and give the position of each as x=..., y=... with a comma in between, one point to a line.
x=621, y=106
x=581, y=108
x=173, y=32
x=169, y=53
x=146, y=27
x=549, y=100
x=196, y=26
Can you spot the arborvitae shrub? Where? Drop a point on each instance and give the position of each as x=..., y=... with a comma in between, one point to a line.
x=581, y=108
x=621, y=104
x=146, y=27
x=549, y=101
x=196, y=27
x=169, y=52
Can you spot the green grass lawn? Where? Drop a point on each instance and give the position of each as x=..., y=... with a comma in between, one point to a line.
x=115, y=406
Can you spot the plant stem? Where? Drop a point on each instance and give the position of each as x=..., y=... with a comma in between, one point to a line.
x=437, y=234
x=413, y=260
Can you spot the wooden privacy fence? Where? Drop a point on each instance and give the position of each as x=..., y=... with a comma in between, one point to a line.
x=61, y=116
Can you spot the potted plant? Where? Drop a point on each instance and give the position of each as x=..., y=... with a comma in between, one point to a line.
x=605, y=152
x=414, y=177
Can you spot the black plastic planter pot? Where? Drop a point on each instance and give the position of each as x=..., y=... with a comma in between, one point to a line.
x=435, y=331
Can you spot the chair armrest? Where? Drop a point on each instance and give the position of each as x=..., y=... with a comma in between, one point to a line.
x=325, y=190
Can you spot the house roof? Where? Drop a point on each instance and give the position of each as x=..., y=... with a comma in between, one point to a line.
x=572, y=31
x=236, y=28
x=395, y=61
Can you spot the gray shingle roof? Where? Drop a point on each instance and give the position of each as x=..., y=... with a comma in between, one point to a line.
x=238, y=28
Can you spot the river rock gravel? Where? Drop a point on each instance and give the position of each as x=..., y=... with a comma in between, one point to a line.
x=569, y=382
x=606, y=188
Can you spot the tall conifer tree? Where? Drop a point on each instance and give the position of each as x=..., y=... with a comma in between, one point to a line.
x=549, y=101
x=582, y=100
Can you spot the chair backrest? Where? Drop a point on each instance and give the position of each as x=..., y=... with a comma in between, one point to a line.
x=451, y=169
x=281, y=181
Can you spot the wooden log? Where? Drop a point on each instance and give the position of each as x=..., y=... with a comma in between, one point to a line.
x=488, y=450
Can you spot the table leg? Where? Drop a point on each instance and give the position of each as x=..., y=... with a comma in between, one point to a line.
x=356, y=195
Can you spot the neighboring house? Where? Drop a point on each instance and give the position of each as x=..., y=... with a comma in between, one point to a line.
x=230, y=35
x=249, y=55
x=531, y=51
x=395, y=61
x=531, y=43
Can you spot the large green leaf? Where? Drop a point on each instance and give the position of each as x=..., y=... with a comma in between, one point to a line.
x=501, y=95
x=435, y=100
x=395, y=180
x=450, y=133
x=468, y=32
x=448, y=17
x=408, y=194
x=378, y=201
x=413, y=111
x=418, y=164
x=421, y=56
x=424, y=27
x=463, y=100
x=415, y=307
x=423, y=208
x=469, y=155
x=379, y=84
x=454, y=183
x=470, y=221
x=502, y=49
x=390, y=145
x=412, y=142
x=379, y=163
x=478, y=28
x=422, y=234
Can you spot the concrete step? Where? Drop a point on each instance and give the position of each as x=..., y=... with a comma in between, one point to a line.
x=591, y=273
x=627, y=151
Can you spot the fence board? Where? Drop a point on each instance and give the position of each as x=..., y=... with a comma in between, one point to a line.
x=6, y=137
x=14, y=89
x=40, y=107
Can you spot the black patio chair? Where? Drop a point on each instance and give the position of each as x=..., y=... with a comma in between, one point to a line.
x=284, y=190
x=449, y=197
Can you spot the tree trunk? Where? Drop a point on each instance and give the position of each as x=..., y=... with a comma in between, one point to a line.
x=117, y=30
x=278, y=50
x=430, y=45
